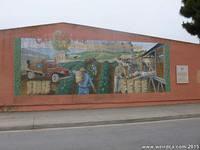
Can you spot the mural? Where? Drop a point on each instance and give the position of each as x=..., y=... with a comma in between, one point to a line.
x=60, y=66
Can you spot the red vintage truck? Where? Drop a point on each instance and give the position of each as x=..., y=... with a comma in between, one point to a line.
x=47, y=69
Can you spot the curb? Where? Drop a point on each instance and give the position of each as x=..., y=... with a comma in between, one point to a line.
x=96, y=123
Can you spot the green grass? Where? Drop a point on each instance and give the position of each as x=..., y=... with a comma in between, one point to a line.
x=100, y=55
x=74, y=65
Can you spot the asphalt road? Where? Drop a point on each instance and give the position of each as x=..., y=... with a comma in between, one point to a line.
x=182, y=134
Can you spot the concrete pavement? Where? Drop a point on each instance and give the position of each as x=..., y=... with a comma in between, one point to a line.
x=181, y=134
x=74, y=118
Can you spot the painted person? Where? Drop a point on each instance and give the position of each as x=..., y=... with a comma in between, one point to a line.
x=85, y=83
x=119, y=75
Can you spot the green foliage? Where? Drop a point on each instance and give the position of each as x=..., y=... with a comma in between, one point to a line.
x=66, y=86
x=61, y=41
x=114, y=64
x=100, y=55
x=104, y=80
x=191, y=9
x=61, y=45
x=92, y=70
x=73, y=65
x=78, y=66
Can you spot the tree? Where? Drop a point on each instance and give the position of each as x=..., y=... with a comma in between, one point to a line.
x=191, y=10
x=60, y=41
x=104, y=81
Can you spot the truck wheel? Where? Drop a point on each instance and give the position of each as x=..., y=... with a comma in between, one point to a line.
x=55, y=77
x=31, y=75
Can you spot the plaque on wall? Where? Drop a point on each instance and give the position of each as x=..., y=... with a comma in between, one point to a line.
x=198, y=76
x=182, y=74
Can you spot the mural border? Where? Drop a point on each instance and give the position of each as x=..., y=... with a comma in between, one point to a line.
x=17, y=64
x=167, y=68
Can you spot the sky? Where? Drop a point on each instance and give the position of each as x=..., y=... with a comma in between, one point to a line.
x=159, y=18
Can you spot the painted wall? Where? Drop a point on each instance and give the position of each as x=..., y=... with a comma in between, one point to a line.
x=146, y=68
x=83, y=67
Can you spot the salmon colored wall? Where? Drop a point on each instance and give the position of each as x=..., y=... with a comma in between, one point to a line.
x=1, y=71
x=180, y=53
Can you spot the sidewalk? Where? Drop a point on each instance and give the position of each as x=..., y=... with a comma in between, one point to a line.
x=74, y=118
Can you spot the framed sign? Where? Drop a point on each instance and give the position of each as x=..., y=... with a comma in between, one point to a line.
x=182, y=75
x=198, y=76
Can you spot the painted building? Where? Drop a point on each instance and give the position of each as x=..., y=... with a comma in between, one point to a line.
x=68, y=66
x=60, y=57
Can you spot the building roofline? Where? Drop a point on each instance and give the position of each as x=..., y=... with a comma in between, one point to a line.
x=51, y=24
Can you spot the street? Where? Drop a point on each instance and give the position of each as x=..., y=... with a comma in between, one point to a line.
x=184, y=133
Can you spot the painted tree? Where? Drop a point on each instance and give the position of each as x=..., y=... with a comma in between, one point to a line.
x=60, y=41
x=191, y=10
x=104, y=82
x=66, y=86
